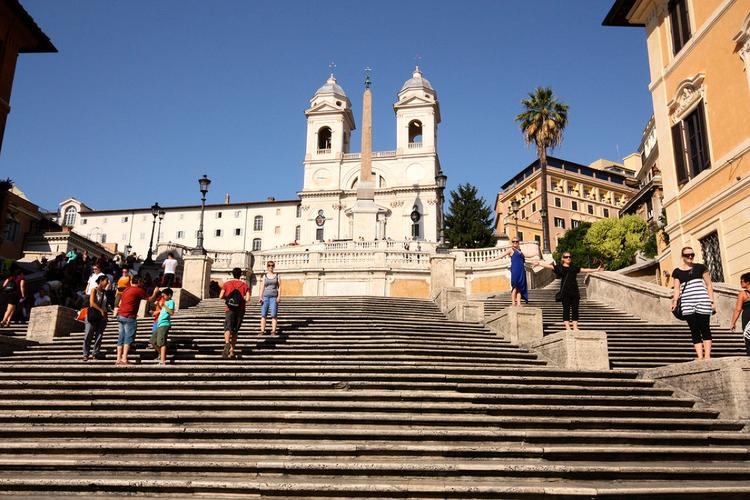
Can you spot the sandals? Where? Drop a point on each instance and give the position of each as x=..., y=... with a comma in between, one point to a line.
x=225, y=353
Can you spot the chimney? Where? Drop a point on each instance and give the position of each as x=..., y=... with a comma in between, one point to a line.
x=226, y=199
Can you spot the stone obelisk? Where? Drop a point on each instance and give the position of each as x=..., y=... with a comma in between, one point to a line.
x=364, y=211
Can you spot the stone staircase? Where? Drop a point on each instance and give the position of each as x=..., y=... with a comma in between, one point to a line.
x=633, y=343
x=358, y=397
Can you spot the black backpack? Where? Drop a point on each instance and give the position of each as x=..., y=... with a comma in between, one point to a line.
x=234, y=300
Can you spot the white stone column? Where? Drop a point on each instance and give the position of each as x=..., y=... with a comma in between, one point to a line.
x=196, y=276
x=575, y=349
x=442, y=272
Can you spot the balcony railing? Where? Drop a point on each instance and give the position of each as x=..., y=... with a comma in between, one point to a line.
x=415, y=145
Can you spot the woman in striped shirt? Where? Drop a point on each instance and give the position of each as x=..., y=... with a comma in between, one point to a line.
x=693, y=283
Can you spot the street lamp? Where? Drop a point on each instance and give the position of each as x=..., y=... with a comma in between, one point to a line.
x=155, y=209
x=162, y=213
x=514, y=206
x=440, y=180
x=128, y=248
x=203, y=182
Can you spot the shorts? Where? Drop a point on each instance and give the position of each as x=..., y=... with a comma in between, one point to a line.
x=269, y=303
x=168, y=279
x=127, y=330
x=159, y=337
x=233, y=320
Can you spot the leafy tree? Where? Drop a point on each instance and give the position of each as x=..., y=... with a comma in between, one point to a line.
x=574, y=241
x=469, y=223
x=617, y=241
x=542, y=122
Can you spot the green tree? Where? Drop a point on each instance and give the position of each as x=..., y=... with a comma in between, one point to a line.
x=542, y=123
x=616, y=241
x=470, y=223
x=573, y=241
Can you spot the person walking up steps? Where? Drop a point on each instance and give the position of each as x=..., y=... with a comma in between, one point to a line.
x=694, y=295
x=235, y=294
x=743, y=307
x=126, y=314
x=270, y=297
x=170, y=268
x=96, y=318
x=164, y=322
x=569, y=294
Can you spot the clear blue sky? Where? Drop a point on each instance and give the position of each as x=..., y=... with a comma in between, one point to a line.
x=145, y=96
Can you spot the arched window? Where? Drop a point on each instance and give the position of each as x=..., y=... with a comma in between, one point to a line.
x=324, y=140
x=257, y=244
x=415, y=132
x=258, y=223
x=415, y=217
x=69, y=219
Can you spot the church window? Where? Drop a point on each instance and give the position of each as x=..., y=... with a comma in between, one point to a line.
x=415, y=132
x=217, y=233
x=258, y=223
x=180, y=235
x=416, y=217
x=324, y=140
x=319, y=234
x=218, y=215
x=238, y=231
x=70, y=216
x=297, y=233
x=299, y=211
x=257, y=244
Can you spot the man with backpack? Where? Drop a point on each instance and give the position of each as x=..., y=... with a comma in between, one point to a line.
x=235, y=293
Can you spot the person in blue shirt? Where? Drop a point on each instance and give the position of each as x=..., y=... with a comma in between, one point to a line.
x=163, y=323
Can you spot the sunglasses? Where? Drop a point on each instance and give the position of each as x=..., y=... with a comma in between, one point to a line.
x=515, y=241
x=270, y=265
x=566, y=256
x=688, y=255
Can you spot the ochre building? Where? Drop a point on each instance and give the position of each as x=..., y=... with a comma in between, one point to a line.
x=576, y=193
x=699, y=59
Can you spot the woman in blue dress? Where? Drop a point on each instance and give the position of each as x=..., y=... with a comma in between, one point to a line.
x=519, y=289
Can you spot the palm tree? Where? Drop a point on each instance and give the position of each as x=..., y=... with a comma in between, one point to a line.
x=542, y=123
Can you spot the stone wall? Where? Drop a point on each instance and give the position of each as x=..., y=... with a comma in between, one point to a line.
x=650, y=301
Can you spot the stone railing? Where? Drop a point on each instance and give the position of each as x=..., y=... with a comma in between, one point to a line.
x=650, y=301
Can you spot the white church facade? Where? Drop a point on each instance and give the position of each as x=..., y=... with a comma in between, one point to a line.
x=403, y=181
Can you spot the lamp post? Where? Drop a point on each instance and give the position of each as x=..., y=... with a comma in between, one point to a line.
x=514, y=206
x=162, y=213
x=155, y=208
x=128, y=248
x=203, y=182
x=440, y=181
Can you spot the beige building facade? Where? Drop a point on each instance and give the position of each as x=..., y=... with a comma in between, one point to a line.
x=576, y=193
x=699, y=59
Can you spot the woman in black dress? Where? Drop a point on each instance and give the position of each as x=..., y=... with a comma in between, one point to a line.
x=743, y=307
x=571, y=296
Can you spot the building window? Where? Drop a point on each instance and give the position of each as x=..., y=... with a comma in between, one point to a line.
x=297, y=233
x=416, y=217
x=11, y=229
x=538, y=239
x=574, y=223
x=257, y=244
x=104, y=237
x=237, y=214
x=679, y=19
x=124, y=219
x=180, y=235
x=574, y=205
x=533, y=208
x=523, y=214
x=124, y=237
x=605, y=212
x=277, y=230
x=560, y=223
x=415, y=132
x=324, y=140
x=237, y=231
x=218, y=215
x=519, y=235
x=712, y=256
x=84, y=221
x=69, y=219
x=319, y=234
x=182, y=216
x=690, y=142
x=558, y=202
x=591, y=209
x=217, y=233
x=258, y=223
x=299, y=211
x=142, y=236
x=278, y=211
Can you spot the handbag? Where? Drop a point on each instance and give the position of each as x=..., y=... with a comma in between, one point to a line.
x=82, y=314
x=558, y=295
x=677, y=312
x=94, y=316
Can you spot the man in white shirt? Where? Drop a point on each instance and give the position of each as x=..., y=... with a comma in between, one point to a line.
x=170, y=266
x=95, y=273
